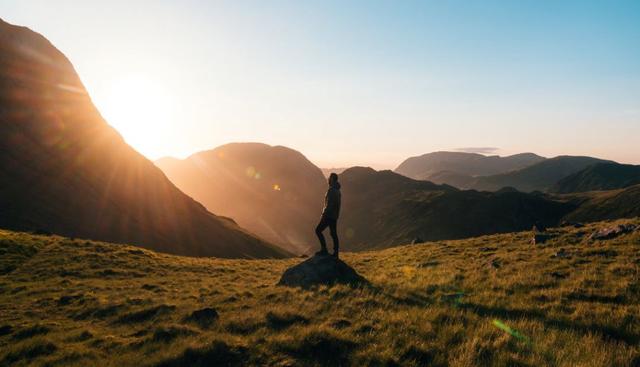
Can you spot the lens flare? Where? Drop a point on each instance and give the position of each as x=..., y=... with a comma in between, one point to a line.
x=507, y=329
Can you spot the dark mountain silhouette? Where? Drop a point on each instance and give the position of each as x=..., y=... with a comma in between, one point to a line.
x=605, y=205
x=600, y=176
x=273, y=191
x=538, y=177
x=383, y=208
x=460, y=167
x=64, y=170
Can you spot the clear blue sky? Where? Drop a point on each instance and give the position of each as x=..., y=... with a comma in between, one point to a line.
x=357, y=82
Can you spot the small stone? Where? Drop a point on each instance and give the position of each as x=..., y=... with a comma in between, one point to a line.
x=204, y=317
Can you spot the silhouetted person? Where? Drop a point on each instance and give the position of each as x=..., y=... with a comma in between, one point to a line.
x=329, y=217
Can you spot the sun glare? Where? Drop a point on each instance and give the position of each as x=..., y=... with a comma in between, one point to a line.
x=141, y=110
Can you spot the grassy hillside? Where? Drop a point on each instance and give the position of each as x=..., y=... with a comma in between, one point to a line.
x=494, y=300
x=605, y=205
x=600, y=176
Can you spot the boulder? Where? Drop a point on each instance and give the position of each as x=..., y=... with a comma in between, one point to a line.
x=612, y=231
x=204, y=317
x=319, y=270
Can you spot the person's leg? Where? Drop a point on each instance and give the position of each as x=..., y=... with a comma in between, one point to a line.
x=321, y=227
x=333, y=227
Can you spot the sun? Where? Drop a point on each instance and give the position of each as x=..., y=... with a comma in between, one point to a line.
x=141, y=110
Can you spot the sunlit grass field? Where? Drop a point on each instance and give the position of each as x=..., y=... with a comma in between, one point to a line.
x=494, y=300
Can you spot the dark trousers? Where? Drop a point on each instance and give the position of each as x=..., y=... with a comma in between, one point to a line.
x=332, y=224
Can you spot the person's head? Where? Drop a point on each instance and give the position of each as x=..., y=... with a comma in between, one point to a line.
x=333, y=178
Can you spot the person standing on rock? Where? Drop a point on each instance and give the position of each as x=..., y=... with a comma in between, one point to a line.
x=329, y=217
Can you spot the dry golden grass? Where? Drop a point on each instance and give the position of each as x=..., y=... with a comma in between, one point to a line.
x=493, y=300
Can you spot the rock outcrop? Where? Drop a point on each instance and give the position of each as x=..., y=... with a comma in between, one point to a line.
x=321, y=270
x=612, y=231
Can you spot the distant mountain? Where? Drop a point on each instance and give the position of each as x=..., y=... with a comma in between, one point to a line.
x=600, y=176
x=457, y=165
x=382, y=209
x=541, y=176
x=605, y=205
x=454, y=179
x=273, y=191
x=64, y=170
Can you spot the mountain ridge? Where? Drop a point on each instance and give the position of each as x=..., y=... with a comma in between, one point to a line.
x=423, y=167
x=66, y=171
x=273, y=191
x=383, y=208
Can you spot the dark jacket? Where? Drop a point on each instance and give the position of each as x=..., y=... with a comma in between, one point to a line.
x=332, y=199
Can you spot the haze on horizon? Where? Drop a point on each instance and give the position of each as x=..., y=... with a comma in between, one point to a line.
x=367, y=83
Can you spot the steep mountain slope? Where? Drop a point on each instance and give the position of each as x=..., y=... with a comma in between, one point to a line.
x=382, y=209
x=274, y=192
x=424, y=167
x=600, y=176
x=64, y=170
x=486, y=301
x=538, y=177
x=604, y=205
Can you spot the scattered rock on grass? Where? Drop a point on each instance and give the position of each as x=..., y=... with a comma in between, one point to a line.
x=204, y=317
x=559, y=275
x=612, y=231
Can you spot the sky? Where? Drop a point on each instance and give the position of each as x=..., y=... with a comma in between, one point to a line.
x=357, y=82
